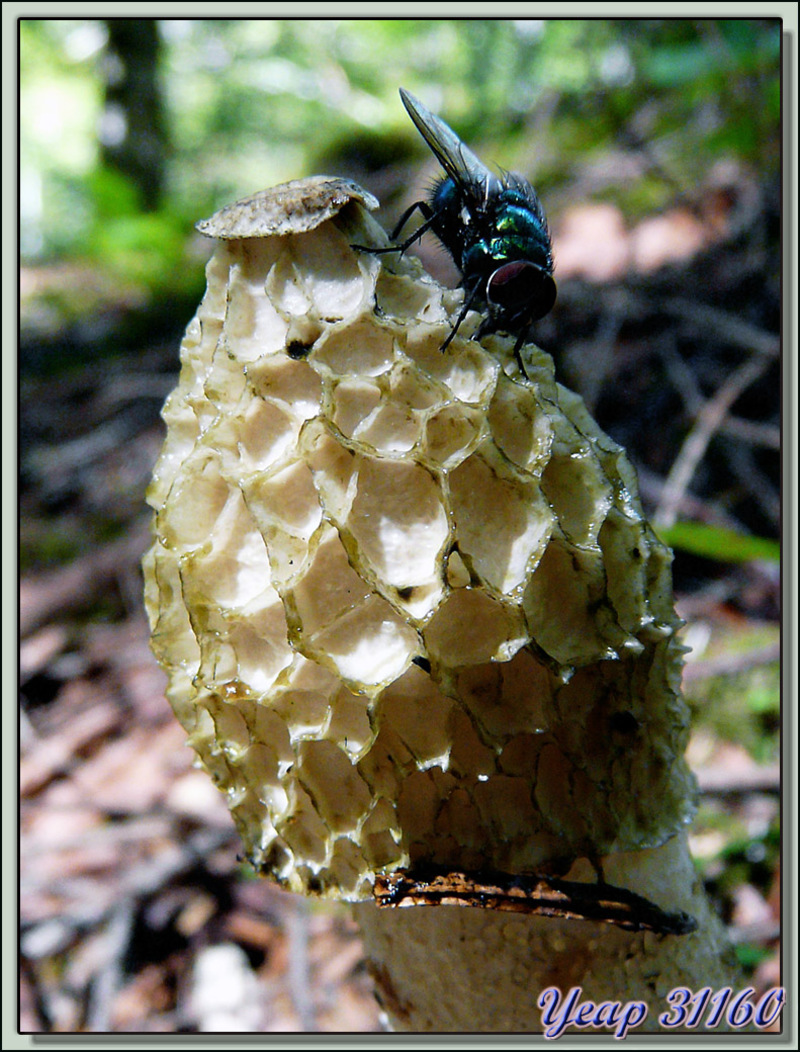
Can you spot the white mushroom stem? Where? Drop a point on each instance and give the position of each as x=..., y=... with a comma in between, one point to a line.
x=465, y=969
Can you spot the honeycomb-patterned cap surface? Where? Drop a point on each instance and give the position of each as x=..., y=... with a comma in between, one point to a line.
x=408, y=603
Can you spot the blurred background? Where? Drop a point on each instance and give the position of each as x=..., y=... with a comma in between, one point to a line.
x=655, y=146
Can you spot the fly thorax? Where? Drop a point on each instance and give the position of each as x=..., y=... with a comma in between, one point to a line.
x=479, y=260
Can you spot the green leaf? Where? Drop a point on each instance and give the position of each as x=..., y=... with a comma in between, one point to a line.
x=716, y=542
x=751, y=955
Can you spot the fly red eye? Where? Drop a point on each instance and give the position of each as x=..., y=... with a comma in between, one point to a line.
x=522, y=287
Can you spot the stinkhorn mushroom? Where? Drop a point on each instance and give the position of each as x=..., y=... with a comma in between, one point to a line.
x=420, y=633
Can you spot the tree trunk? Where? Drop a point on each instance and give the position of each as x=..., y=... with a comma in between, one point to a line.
x=134, y=129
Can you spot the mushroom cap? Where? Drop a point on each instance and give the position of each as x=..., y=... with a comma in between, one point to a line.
x=291, y=208
x=410, y=608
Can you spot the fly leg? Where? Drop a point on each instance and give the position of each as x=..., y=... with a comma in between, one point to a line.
x=490, y=324
x=468, y=300
x=428, y=215
x=430, y=218
x=521, y=338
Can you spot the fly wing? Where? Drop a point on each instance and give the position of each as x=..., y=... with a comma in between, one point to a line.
x=460, y=163
x=520, y=184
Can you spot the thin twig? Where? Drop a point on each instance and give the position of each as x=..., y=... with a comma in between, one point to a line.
x=87, y=910
x=753, y=432
x=761, y=932
x=716, y=781
x=755, y=481
x=651, y=487
x=49, y=464
x=299, y=965
x=46, y=596
x=135, y=830
x=731, y=664
x=109, y=977
x=603, y=344
x=725, y=326
x=696, y=442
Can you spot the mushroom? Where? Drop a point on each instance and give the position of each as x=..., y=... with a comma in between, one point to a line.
x=419, y=632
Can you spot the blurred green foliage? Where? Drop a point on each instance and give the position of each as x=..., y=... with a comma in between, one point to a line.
x=750, y=857
x=744, y=708
x=723, y=545
x=254, y=102
x=742, y=705
x=737, y=841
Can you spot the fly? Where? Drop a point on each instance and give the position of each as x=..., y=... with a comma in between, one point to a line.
x=492, y=225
